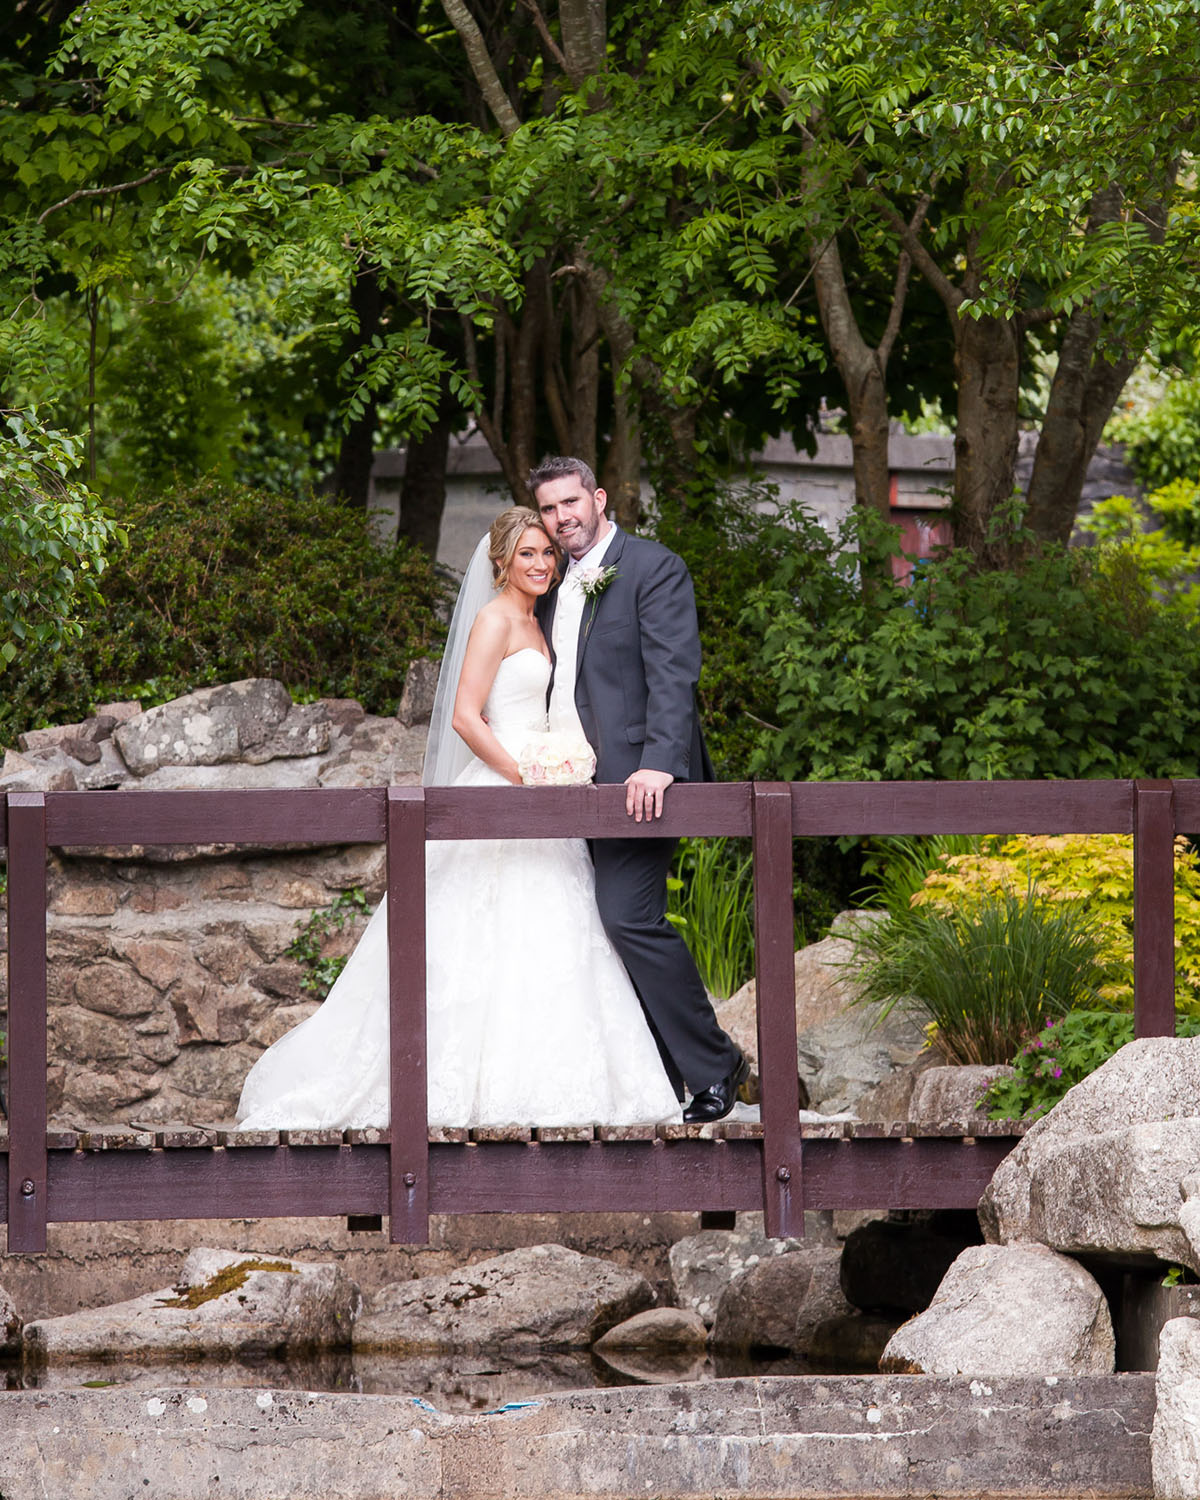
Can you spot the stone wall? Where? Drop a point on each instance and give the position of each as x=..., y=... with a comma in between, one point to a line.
x=168, y=971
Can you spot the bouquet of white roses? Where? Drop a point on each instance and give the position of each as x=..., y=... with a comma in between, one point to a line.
x=557, y=758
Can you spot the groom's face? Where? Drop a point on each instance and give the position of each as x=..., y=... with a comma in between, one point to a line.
x=573, y=515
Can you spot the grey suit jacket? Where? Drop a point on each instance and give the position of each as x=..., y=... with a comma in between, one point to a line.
x=638, y=665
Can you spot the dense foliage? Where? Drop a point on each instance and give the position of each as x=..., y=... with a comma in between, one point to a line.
x=1069, y=665
x=224, y=583
x=1162, y=442
x=55, y=540
x=644, y=234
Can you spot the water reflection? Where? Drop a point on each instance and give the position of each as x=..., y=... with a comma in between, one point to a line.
x=452, y=1382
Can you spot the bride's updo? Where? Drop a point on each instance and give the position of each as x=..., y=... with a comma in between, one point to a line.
x=507, y=530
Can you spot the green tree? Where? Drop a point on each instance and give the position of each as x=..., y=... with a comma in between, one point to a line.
x=1021, y=159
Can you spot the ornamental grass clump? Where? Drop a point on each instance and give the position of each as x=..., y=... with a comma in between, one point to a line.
x=1092, y=871
x=988, y=975
x=710, y=901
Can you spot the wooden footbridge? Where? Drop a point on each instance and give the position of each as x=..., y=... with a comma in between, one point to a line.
x=409, y=1171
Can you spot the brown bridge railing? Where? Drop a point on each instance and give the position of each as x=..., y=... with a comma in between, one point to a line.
x=406, y=1172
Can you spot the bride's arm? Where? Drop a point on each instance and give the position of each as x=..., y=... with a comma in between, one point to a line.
x=486, y=647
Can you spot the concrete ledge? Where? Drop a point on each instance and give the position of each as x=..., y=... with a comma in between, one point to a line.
x=866, y=1437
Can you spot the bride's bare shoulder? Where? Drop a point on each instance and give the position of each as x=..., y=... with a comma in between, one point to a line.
x=492, y=627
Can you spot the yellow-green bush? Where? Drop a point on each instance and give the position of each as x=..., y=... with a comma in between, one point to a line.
x=1095, y=870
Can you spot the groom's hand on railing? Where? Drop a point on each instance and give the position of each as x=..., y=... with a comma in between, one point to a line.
x=644, y=794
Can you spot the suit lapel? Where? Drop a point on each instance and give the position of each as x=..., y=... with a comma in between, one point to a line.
x=592, y=607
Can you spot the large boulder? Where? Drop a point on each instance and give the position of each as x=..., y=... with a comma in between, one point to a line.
x=845, y=1058
x=953, y=1095
x=1110, y=1169
x=1175, y=1438
x=225, y=1304
x=545, y=1295
x=825, y=984
x=206, y=727
x=777, y=1304
x=1008, y=1310
x=704, y=1264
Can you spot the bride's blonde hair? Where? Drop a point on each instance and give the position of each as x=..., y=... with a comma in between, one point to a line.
x=507, y=530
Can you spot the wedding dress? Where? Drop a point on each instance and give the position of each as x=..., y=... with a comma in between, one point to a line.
x=532, y=1019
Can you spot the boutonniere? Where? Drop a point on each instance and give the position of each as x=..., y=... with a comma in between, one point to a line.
x=592, y=583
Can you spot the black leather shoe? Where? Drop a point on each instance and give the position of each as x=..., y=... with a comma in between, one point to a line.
x=715, y=1102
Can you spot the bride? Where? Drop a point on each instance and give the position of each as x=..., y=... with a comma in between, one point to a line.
x=532, y=1019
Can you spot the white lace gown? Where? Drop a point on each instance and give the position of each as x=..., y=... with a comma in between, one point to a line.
x=532, y=1019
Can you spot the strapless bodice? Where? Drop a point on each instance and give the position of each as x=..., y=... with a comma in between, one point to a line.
x=517, y=701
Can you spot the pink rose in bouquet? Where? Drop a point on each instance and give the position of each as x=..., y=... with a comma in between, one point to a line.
x=557, y=758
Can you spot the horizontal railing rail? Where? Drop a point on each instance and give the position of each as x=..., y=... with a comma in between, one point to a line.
x=399, y=1171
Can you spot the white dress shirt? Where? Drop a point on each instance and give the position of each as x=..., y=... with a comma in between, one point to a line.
x=568, y=613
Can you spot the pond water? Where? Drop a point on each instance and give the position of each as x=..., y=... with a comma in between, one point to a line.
x=451, y=1382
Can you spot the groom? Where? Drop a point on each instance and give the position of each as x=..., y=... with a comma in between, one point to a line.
x=626, y=646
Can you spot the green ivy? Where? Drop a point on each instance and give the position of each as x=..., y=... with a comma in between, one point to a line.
x=308, y=946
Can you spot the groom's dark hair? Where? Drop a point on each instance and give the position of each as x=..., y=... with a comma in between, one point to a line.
x=556, y=466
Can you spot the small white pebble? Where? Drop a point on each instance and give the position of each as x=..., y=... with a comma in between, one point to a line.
x=874, y=1414
x=197, y=1404
x=155, y=1407
x=263, y=1400
x=1051, y=1379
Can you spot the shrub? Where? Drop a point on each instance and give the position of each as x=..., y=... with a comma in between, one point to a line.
x=1062, y=668
x=223, y=582
x=1163, y=442
x=1094, y=871
x=731, y=548
x=1063, y=1052
x=987, y=976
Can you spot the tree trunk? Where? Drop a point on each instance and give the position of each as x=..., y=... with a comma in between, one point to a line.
x=1082, y=395
x=1083, y=392
x=584, y=28
x=523, y=359
x=622, y=474
x=987, y=367
x=423, y=492
x=862, y=370
x=585, y=373
x=351, y=477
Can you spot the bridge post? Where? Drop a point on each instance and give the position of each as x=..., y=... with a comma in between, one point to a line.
x=26, y=1022
x=1153, y=908
x=774, y=966
x=408, y=1155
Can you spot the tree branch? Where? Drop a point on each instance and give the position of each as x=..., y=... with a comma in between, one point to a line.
x=548, y=41
x=896, y=312
x=101, y=192
x=909, y=236
x=484, y=69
